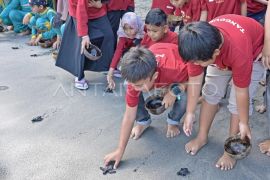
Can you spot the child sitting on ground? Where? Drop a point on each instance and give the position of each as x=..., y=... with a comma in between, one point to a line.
x=40, y=22
x=12, y=16
x=157, y=29
x=130, y=32
x=3, y=4
x=146, y=70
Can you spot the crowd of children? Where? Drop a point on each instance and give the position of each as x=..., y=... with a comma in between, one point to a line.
x=216, y=44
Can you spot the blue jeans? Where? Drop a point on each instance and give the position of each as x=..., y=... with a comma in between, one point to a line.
x=174, y=116
x=259, y=16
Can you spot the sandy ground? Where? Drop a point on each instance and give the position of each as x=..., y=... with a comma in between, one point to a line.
x=79, y=128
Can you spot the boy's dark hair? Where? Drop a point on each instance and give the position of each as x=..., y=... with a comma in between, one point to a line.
x=156, y=17
x=198, y=41
x=138, y=64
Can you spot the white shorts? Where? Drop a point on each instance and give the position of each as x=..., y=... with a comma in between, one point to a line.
x=216, y=83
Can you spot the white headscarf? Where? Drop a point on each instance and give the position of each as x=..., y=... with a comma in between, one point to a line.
x=133, y=21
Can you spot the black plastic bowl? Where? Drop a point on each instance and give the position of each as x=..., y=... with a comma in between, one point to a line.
x=236, y=147
x=154, y=104
x=92, y=53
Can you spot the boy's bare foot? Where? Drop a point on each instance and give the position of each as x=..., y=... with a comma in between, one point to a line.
x=225, y=162
x=260, y=108
x=137, y=131
x=24, y=33
x=172, y=131
x=265, y=147
x=193, y=146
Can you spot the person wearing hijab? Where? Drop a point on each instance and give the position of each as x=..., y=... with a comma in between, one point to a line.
x=130, y=32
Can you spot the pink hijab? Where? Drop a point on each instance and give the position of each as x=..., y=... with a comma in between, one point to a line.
x=134, y=21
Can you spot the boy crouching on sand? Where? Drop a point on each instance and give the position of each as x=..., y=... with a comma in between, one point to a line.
x=145, y=70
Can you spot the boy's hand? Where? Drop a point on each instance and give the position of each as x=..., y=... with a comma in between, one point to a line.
x=37, y=40
x=32, y=42
x=57, y=43
x=114, y=156
x=85, y=43
x=26, y=19
x=244, y=130
x=110, y=79
x=168, y=100
x=95, y=4
x=188, y=123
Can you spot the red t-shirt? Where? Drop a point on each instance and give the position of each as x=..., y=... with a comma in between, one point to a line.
x=220, y=7
x=170, y=67
x=72, y=5
x=123, y=43
x=255, y=7
x=243, y=42
x=115, y=5
x=170, y=37
x=191, y=11
x=164, y=5
x=85, y=13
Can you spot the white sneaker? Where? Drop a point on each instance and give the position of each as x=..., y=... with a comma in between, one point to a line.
x=82, y=84
x=117, y=73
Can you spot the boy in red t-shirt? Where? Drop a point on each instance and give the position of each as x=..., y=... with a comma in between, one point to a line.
x=217, y=8
x=164, y=5
x=190, y=10
x=265, y=145
x=167, y=7
x=157, y=29
x=146, y=70
x=228, y=46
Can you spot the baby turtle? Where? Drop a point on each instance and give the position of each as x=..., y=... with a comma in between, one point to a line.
x=34, y=55
x=109, y=168
x=183, y=172
x=37, y=119
x=236, y=147
x=3, y=88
